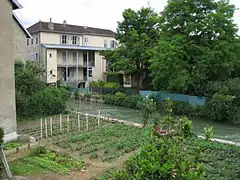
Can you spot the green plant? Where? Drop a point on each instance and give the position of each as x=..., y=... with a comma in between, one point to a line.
x=162, y=158
x=115, y=77
x=185, y=127
x=147, y=107
x=168, y=120
x=77, y=95
x=208, y=132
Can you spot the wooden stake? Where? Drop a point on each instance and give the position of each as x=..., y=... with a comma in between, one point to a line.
x=99, y=116
x=60, y=122
x=78, y=122
x=68, y=129
x=41, y=128
x=46, y=128
x=51, y=126
x=87, y=121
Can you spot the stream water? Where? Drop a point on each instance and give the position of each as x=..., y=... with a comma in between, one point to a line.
x=221, y=130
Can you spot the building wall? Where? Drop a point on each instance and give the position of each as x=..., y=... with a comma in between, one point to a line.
x=33, y=49
x=7, y=83
x=99, y=67
x=19, y=42
x=97, y=41
x=49, y=38
x=51, y=65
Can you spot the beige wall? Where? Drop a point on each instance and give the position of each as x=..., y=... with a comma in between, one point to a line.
x=97, y=41
x=7, y=87
x=19, y=42
x=51, y=66
x=99, y=67
x=49, y=38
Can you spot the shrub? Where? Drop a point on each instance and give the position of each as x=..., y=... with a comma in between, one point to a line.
x=184, y=108
x=208, y=131
x=218, y=107
x=162, y=158
x=147, y=107
x=115, y=77
x=48, y=101
x=103, y=84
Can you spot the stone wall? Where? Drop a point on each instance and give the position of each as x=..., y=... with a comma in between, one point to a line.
x=7, y=83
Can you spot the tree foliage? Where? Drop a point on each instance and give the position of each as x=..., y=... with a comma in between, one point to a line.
x=198, y=44
x=137, y=34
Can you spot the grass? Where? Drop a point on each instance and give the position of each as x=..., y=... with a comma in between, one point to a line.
x=43, y=160
x=108, y=142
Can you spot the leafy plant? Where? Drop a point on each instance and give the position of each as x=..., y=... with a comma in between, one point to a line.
x=147, y=107
x=116, y=77
x=208, y=131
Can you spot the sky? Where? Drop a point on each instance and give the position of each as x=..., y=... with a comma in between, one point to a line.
x=92, y=13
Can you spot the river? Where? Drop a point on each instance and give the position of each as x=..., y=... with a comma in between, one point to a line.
x=221, y=130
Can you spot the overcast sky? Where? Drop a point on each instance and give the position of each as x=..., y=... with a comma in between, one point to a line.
x=92, y=13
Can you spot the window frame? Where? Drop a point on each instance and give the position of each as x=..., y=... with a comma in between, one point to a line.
x=62, y=39
x=74, y=39
x=37, y=40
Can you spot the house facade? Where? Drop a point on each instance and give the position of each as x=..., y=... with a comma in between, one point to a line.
x=69, y=53
x=8, y=28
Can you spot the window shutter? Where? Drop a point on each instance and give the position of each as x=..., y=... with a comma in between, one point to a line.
x=78, y=40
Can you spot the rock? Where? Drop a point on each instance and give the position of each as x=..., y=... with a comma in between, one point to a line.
x=32, y=139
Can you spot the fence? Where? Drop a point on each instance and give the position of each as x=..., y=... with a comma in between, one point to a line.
x=48, y=127
x=161, y=96
x=64, y=124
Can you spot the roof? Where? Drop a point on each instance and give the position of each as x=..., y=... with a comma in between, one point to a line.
x=55, y=46
x=15, y=4
x=21, y=25
x=71, y=29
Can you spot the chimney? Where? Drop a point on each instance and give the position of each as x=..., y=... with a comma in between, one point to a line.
x=64, y=23
x=50, y=24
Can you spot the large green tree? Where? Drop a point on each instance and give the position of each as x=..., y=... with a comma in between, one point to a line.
x=197, y=45
x=137, y=34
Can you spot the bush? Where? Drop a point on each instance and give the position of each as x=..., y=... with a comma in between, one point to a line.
x=208, y=132
x=48, y=101
x=115, y=77
x=184, y=108
x=103, y=84
x=218, y=107
x=162, y=158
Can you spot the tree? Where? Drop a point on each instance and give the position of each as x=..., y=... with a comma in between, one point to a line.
x=137, y=34
x=197, y=45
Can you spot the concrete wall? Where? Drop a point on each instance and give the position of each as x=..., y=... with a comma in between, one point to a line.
x=7, y=83
x=49, y=38
x=97, y=41
x=99, y=67
x=51, y=65
x=19, y=42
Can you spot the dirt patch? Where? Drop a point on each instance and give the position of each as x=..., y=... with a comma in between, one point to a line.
x=94, y=169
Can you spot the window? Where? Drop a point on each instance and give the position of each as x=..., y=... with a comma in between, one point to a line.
x=90, y=72
x=105, y=43
x=91, y=57
x=112, y=44
x=85, y=41
x=31, y=41
x=74, y=39
x=50, y=55
x=27, y=42
x=74, y=56
x=64, y=39
x=64, y=56
x=50, y=72
x=36, y=40
x=36, y=56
